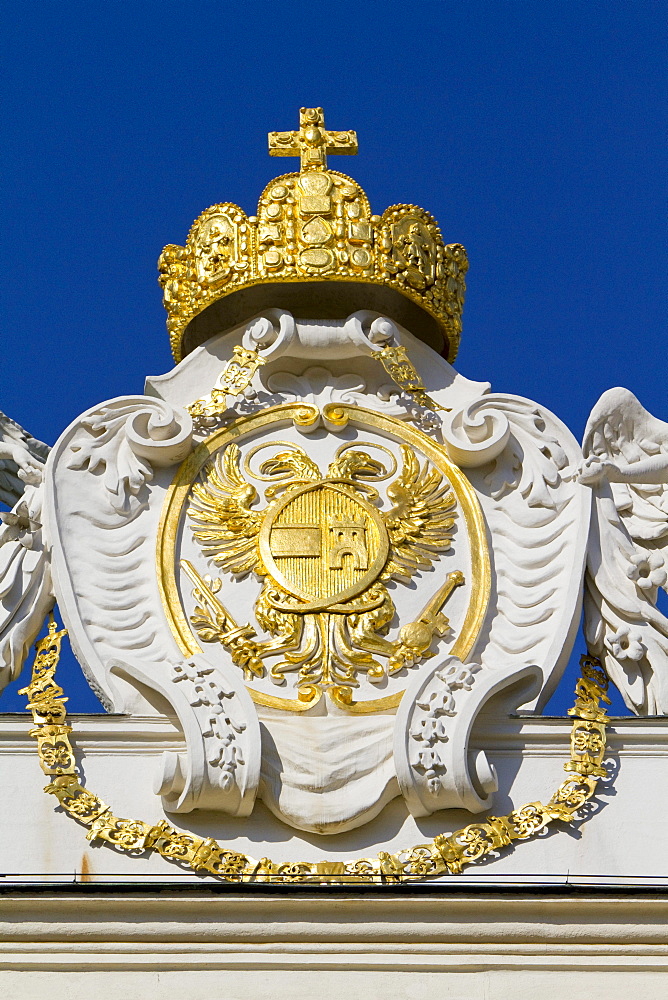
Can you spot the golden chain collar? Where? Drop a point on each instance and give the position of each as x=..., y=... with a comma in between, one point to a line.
x=238, y=374
x=445, y=855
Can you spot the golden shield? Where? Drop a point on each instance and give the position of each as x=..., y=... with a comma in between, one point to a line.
x=324, y=544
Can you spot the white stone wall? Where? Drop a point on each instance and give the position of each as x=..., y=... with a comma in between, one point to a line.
x=624, y=837
x=247, y=947
x=577, y=912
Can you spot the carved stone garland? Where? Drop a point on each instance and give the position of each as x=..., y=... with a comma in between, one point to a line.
x=445, y=855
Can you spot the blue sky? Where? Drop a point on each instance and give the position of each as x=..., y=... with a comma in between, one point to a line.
x=533, y=132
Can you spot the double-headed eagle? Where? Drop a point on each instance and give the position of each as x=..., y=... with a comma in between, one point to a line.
x=324, y=550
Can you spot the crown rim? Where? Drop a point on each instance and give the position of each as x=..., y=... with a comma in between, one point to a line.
x=313, y=231
x=244, y=303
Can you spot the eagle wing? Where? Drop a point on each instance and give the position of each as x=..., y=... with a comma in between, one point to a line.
x=220, y=508
x=420, y=524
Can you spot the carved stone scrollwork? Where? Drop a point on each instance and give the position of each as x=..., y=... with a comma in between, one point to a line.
x=523, y=463
x=476, y=433
x=276, y=333
x=26, y=593
x=124, y=438
x=270, y=334
x=250, y=380
x=434, y=766
x=320, y=388
x=220, y=767
x=97, y=512
x=159, y=433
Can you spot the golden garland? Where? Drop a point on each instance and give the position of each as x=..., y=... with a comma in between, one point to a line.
x=239, y=371
x=445, y=855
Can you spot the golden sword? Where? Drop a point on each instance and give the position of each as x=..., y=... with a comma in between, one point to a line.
x=237, y=639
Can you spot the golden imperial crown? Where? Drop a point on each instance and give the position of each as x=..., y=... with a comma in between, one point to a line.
x=313, y=248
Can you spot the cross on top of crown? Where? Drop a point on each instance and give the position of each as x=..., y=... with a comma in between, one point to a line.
x=312, y=142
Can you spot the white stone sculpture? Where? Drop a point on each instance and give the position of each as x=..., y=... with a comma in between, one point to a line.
x=625, y=453
x=328, y=767
x=25, y=580
x=316, y=547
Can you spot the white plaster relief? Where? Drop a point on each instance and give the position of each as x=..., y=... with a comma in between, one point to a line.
x=276, y=334
x=221, y=763
x=428, y=727
x=102, y=518
x=625, y=453
x=104, y=508
x=435, y=767
x=26, y=594
x=332, y=772
x=538, y=516
x=322, y=342
x=208, y=694
x=124, y=439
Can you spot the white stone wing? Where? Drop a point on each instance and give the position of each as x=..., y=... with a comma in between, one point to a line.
x=19, y=451
x=25, y=579
x=625, y=453
x=107, y=480
x=523, y=463
x=102, y=525
x=26, y=594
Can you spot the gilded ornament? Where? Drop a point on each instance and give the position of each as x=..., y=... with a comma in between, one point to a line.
x=312, y=143
x=401, y=370
x=213, y=621
x=445, y=855
x=324, y=549
x=237, y=376
x=321, y=547
x=315, y=226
